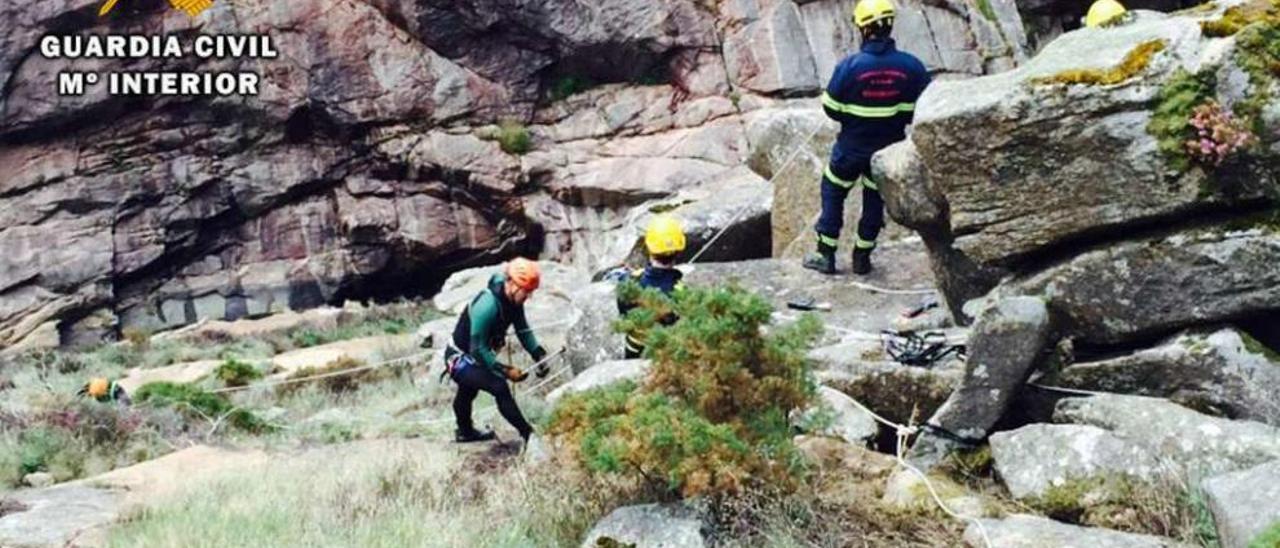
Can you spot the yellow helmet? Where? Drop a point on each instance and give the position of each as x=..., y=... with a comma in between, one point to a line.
x=1103, y=12
x=98, y=388
x=664, y=236
x=867, y=12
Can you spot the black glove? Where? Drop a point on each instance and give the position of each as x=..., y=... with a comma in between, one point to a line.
x=538, y=354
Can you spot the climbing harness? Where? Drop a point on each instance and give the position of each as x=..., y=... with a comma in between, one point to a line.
x=919, y=350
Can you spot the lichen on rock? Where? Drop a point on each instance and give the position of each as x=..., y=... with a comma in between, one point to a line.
x=1133, y=64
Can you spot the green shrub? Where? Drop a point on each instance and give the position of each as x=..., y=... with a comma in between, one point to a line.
x=567, y=86
x=188, y=398
x=513, y=137
x=1270, y=538
x=711, y=417
x=234, y=372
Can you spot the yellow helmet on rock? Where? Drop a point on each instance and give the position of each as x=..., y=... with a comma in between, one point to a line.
x=871, y=11
x=1103, y=12
x=664, y=236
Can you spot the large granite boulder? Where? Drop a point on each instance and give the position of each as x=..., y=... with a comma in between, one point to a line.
x=1037, y=457
x=1027, y=531
x=1245, y=503
x=649, y=526
x=1198, y=444
x=1225, y=372
x=1022, y=172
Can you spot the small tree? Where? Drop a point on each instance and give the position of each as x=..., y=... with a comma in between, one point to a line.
x=711, y=417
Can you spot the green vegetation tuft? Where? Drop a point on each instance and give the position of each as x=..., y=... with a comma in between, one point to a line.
x=234, y=372
x=567, y=86
x=1133, y=64
x=1170, y=121
x=711, y=417
x=1270, y=538
x=1256, y=347
x=514, y=138
x=984, y=7
x=1162, y=507
x=187, y=398
x=1236, y=18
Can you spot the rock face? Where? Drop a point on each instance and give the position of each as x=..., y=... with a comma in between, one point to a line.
x=847, y=421
x=1244, y=503
x=1036, y=457
x=1222, y=371
x=58, y=516
x=1025, y=531
x=1198, y=443
x=1036, y=172
x=367, y=165
x=1066, y=180
x=600, y=375
x=648, y=526
x=1005, y=344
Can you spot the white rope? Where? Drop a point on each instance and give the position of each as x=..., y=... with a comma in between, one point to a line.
x=859, y=335
x=322, y=375
x=794, y=153
x=903, y=433
x=891, y=291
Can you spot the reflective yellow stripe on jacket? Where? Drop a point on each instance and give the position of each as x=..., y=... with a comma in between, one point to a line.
x=864, y=111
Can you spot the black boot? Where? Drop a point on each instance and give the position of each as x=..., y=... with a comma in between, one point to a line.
x=861, y=261
x=470, y=436
x=821, y=262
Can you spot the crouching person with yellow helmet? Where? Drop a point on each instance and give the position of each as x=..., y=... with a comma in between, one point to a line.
x=471, y=359
x=664, y=240
x=104, y=390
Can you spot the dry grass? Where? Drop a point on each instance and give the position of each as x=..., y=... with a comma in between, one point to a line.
x=384, y=494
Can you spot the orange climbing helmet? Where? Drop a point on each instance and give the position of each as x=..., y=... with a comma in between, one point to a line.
x=98, y=388
x=524, y=273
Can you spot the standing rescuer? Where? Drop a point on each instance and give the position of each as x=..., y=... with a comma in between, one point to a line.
x=872, y=94
x=471, y=360
x=664, y=240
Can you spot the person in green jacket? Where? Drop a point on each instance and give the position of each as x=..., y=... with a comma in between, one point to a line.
x=471, y=359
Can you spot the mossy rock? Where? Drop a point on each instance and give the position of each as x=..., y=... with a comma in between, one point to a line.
x=1236, y=18
x=1133, y=64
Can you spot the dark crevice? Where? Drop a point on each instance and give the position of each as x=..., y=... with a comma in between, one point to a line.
x=1063, y=251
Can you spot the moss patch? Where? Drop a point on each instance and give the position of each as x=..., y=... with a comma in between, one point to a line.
x=984, y=7
x=1258, y=53
x=1133, y=64
x=1270, y=538
x=1256, y=347
x=1236, y=18
x=1170, y=120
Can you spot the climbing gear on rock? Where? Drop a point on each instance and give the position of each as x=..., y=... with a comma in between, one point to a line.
x=867, y=12
x=927, y=304
x=821, y=262
x=861, y=261
x=664, y=236
x=524, y=273
x=807, y=303
x=917, y=350
x=473, y=436
x=1104, y=12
